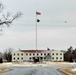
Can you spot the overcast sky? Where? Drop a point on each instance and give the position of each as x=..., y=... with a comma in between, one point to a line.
x=53, y=32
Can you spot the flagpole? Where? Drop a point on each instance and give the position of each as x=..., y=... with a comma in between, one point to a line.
x=36, y=31
x=37, y=20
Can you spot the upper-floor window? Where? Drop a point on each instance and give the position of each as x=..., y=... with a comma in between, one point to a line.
x=56, y=53
x=30, y=54
x=44, y=53
x=41, y=53
x=33, y=54
x=14, y=54
x=22, y=54
x=60, y=53
x=48, y=54
x=37, y=54
x=18, y=54
x=52, y=53
x=26, y=54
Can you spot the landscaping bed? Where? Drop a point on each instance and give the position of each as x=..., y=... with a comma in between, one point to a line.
x=2, y=70
x=67, y=71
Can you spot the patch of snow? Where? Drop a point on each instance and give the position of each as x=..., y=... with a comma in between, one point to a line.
x=27, y=63
x=7, y=63
x=74, y=70
x=16, y=65
x=72, y=63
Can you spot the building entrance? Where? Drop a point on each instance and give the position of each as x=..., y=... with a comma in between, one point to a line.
x=36, y=59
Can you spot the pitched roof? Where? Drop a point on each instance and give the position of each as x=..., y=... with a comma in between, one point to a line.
x=33, y=51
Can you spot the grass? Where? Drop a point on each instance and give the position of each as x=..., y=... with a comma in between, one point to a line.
x=2, y=70
x=67, y=71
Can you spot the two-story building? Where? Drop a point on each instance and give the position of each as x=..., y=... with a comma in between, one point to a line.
x=37, y=55
x=30, y=55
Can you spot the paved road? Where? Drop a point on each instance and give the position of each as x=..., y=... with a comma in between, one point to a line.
x=32, y=71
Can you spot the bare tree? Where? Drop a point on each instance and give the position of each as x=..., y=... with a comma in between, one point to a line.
x=7, y=55
x=1, y=58
x=48, y=56
x=7, y=18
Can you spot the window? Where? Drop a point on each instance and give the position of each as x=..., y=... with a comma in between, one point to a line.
x=52, y=57
x=44, y=57
x=33, y=54
x=18, y=54
x=14, y=54
x=44, y=53
x=22, y=58
x=22, y=54
x=26, y=54
x=33, y=57
x=30, y=58
x=41, y=53
x=14, y=58
x=18, y=58
x=60, y=53
x=37, y=54
x=41, y=58
x=30, y=54
x=56, y=53
x=60, y=57
x=48, y=54
x=52, y=53
x=56, y=57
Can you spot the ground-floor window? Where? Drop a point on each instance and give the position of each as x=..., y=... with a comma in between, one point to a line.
x=52, y=57
x=56, y=57
x=14, y=58
x=22, y=58
x=29, y=58
x=60, y=57
x=18, y=58
x=44, y=57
